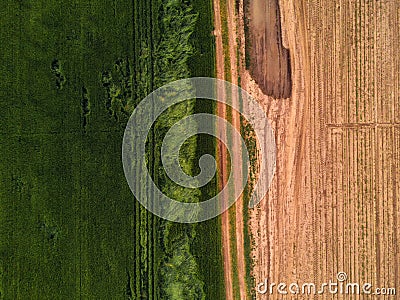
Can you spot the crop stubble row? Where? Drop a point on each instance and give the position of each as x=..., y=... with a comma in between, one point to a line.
x=342, y=214
x=355, y=107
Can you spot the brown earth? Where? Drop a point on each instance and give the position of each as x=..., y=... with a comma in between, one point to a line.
x=334, y=202
x=222, y=154
x=228, y=247
x=269, y=59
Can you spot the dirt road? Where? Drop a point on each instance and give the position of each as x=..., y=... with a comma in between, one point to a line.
x=222, y=180
x=236, y=158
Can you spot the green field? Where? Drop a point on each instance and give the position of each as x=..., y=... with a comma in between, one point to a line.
x=71, y=73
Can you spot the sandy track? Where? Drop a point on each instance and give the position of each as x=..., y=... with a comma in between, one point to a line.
x=237, y=154
x=239, y=267
x=223, y=175
x=279, y=221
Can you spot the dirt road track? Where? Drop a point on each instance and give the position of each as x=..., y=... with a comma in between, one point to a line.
x=222, y=180
x=239, y=267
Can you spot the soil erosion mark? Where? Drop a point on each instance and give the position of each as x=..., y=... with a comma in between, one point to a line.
x=269, y=59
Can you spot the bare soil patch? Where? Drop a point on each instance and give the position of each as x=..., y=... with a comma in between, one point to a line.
x=269, y=59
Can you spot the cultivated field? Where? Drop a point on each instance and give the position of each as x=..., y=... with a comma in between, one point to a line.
x=334, y=202
x=71, y=74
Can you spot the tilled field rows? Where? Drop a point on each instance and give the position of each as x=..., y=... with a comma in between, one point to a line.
x=355, y=139
x=359, y=225
x=355, y=46
x=333, y=205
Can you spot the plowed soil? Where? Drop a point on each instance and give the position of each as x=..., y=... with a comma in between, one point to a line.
x=333, y=205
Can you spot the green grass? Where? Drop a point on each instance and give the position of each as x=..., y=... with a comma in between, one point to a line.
x=69, y=226
x=247, y=45
x=234, y=257
x=251, y=145
x=225, y=40
x=202, y=63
